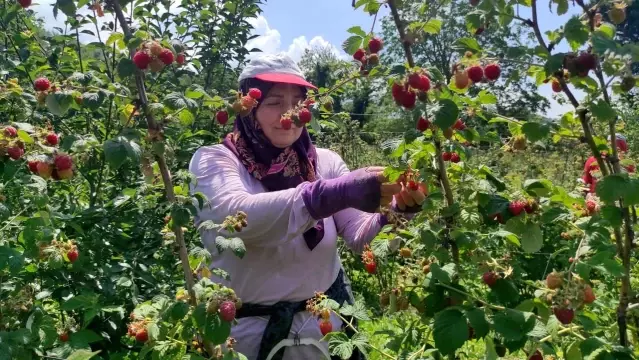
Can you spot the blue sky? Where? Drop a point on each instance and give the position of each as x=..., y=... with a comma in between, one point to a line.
x=293, y=25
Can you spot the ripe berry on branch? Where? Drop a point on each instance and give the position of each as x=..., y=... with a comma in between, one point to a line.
x=454, y=158
x=422, y=124
x=63, y=162
x=305, y=116
x=564, y=315
x=587, y=61
x=41, y=84
x=142, y=336
x=476, y=73
x=286, y=123
x=371, y=267
x=536, y=356
x=325, y=327
x=489, y=278
x=446, y=156
x=72, y=255
x=222, y=117
x=141, y=59
x=556, y=86
x=359, y=54
x=10, y=131
x=33, y=166
x=459, y=125
x=492, y=72
x=255, y=93
x=374, y=45
x=64, y=337
x=52, y=138
x=166, y=56
x=15, y=152
x=181, y=59
x=227, y=311
x=24, y=3
x=516, y=207
x=408, y=99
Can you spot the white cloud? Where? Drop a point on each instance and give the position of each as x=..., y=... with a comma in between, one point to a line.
x=270, y=41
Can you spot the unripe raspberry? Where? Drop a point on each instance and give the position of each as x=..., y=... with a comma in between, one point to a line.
x=63, y=162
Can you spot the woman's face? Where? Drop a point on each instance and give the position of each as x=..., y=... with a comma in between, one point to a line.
x=280, y=99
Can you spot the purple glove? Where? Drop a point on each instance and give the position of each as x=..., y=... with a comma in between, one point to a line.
x=359, y=189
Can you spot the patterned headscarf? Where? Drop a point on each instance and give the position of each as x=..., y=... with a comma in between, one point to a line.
x=276, y=168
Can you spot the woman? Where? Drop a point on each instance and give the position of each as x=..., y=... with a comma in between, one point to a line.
x=298, y=199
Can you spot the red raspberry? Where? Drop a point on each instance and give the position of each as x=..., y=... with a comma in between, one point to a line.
x=536, y=356
x=412, y=185
x=305, y=116
x=141, y=59
x=630, y=168
x=33, y=166
x=591, y=205
x=408, y=100
x=286, y=123
x=222, y=117
x=309, y=102
x=326, y=327
x=10, y=131
x=446, y=156
x=181, y=59
x=414, y=80
x=227, y=310
x=424, y=83
x=422, y=124
x=516, y=207
x=587, y=61
x=374, y=45
x=459, y=125
x=166, y=56
x=64, y=337
x=255, y=93
x=359, y=54
x=371, y=267
x=476, y=73
x=589, y=295
x=556, y=86
x=63, y=162
x=24, y=3
x=15, y=152
x=454, y=158
x=489, y=278
x=41, y=84
x=52, y=139
x=565, y=315
x=492, y=71
x=142, y=336
x=397, y=90
x=72, y=255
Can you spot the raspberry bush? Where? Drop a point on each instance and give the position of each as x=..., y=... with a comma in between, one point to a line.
x=95, y=203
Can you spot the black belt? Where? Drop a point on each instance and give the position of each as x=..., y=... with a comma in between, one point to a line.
x=281, y=318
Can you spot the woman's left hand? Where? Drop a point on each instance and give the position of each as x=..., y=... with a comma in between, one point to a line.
x=409, y=198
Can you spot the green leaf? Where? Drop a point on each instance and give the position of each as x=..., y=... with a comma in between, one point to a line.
x=469, y=219
x=477, y=319
x=613, y=214
x=238, y=247
x=58, y=103
x=357, y=30
x=535, y=131
x=340, y=345
x=216, y=330
x=505, y=292
x=487, y=98
x=186, y=118
x=443, y=274
x=82, y=301
x=531, y=239
x=11, y=259
x=513, y=324
x=119, y=149
x=67, y=6
x=576, y=33
x=126, y=68
x=554, y=63
x=509, y=236
x=446, y=114
x=83, y=354
x=450, y=330
x=469, y=44
x=562, y=6
x=85, y=337
x=602, y=110
x=573, y=352
x=538, y=187
x=351, y=44
x=180, y=215
x=612, y=187
x=358, y=311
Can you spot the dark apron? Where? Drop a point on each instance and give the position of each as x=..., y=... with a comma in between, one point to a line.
x=281, y=319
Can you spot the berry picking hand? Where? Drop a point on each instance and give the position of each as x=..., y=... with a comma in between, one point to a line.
x=410, y=196
x=388, y=190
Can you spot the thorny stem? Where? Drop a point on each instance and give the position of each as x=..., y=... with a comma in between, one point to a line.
x=494, y=307
x=443, y=175
x=164, y=171
x=563, y=331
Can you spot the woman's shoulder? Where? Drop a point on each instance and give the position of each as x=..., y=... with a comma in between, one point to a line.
x=205, y=155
